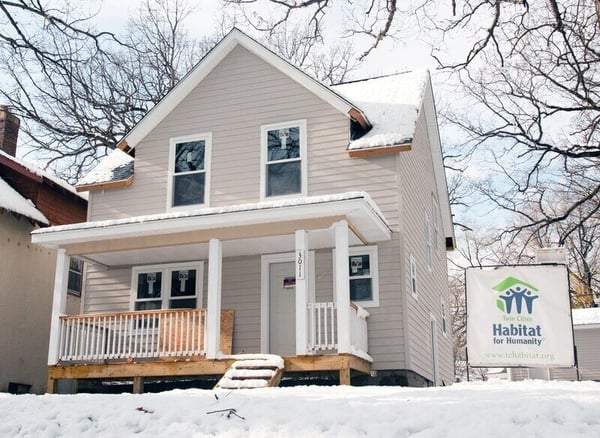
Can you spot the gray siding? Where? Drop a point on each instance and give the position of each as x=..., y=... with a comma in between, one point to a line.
x=106, y=290
x=417, y=184
x=241, y=292
x=232, y=102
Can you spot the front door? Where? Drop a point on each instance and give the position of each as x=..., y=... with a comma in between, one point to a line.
x=282, y=308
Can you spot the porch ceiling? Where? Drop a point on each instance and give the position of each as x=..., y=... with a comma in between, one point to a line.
x=261, y=228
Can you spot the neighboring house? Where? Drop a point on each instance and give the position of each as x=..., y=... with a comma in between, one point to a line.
x=29, y=199
x=586, y=330
x=255, y=210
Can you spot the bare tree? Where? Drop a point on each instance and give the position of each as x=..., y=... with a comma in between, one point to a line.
x=80, y=90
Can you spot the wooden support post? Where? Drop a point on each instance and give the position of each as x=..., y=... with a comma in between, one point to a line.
x=213, y=304
x=51, y=386
x=301, y=259
x=345, y=376
x=138, y=385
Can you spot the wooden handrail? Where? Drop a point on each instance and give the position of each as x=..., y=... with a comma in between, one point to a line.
x=130, y=312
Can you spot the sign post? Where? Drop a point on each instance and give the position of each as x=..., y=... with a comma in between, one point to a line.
x=519, y=316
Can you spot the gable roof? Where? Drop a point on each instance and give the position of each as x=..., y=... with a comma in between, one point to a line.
x=233, y=39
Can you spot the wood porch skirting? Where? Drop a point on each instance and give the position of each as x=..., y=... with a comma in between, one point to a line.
x=200, y=366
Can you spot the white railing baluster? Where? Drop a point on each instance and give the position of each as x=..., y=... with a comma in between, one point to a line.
x=148, y=334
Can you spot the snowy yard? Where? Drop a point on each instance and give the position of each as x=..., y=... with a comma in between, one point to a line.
x=482, y=410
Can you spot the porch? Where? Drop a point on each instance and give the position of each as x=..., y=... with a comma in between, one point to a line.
x=173, y=343
x=163, y=256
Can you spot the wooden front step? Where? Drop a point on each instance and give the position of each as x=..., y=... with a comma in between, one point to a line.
x=253, y=371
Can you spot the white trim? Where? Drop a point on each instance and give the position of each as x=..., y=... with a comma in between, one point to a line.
x=207, y=137
x=265, y=262
x=166, y=269
x=373, y=252
x=301, y=124
x=357, y=207
x=209, y=62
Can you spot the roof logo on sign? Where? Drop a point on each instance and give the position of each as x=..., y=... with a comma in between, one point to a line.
x=516, y=296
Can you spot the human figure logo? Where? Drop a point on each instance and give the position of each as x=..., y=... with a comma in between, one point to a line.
x=516, y=296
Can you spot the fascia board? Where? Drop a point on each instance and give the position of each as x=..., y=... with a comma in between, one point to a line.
x=438, y=164
x=355, y=208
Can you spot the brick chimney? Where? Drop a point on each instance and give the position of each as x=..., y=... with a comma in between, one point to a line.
x=9, y=130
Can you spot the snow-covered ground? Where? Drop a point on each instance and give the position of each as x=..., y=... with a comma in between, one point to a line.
x=481, y=410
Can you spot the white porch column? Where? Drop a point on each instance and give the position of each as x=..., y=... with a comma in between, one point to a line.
x=213, y=304
x=302, y=273
x=342, y=285
x=59, y=304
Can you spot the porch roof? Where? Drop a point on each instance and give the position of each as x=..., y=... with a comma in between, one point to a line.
x=255, y=228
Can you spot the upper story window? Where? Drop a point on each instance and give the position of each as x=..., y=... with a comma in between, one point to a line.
x=189, y=158
x=436, y=223
x=177, y=286
x=413, y=288
x=283, y=159
x=427, y=239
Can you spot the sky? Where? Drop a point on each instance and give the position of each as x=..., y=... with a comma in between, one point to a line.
x=467, y=410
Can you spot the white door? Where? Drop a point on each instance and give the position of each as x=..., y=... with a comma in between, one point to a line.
x=282, y=308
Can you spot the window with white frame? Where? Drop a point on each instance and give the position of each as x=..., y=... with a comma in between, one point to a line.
x=436, y=223
x=75, y=276
x=364, y=275
x=444, y=319
x=283, y=159
x=427, y=238
x=189, y=158
x=413, y=286
x=174, y=286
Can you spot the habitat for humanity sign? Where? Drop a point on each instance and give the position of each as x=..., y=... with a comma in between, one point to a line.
x=519, y=316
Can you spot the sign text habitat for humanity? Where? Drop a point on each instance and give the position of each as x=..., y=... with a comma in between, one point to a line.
x=519, y=316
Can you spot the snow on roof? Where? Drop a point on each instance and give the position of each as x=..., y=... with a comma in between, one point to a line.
x=37, y=171
x=208, y=211
x=391, y=103
x=586, y=316
x=11, y=200
x=117, y=166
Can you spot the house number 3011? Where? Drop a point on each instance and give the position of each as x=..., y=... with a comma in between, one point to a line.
x=300, y=265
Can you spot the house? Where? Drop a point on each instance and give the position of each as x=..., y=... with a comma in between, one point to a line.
x=255, y=210
x=586, y=334
x=29, y=199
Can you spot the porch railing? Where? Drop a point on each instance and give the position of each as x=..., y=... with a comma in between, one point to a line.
x=125, y=335
x=322, y=326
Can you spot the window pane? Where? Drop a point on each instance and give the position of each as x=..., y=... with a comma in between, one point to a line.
x=149, y=285
x=189, y=156
x=183, y=283
x=361, y=290
x=359, y=265
x=189, y=189
x=147, y=305
x=183, y=304
x=74, y=284
x=283, y=143
x=283, y=178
